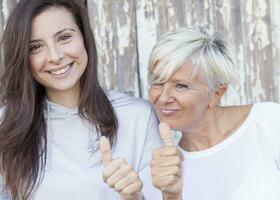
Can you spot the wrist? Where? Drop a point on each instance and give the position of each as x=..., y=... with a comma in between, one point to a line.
x=169, y=196
x=139, y=196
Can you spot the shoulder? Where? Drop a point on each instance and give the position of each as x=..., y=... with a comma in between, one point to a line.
x=266, y=115
x=267, y=112
x=134, y=109
x=267, y=106
x=121, y=101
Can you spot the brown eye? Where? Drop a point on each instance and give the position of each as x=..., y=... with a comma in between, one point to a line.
x=65, y=37
x=181, y=86
x=34, y=47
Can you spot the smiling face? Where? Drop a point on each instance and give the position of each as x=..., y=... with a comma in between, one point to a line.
x=182, y=101
x=57, y=57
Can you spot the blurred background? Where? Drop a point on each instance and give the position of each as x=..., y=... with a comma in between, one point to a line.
x=126, y=31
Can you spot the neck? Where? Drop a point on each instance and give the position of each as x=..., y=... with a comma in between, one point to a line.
x=205, y=134
x=69, y=98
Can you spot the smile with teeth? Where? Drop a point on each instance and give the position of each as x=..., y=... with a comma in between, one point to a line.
x=61, y=70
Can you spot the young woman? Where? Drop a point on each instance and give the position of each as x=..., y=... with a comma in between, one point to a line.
x=55, y=113
x=225, y=152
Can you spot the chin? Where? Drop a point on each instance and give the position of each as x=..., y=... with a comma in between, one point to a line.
x=171, y=124
x=175, y=128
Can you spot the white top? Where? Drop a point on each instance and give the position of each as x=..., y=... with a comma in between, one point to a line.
x=245, y=166
x=71, y=172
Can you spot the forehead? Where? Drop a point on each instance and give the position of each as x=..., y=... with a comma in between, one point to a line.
x=52, y=20
x=189, y=73
x=186, y=70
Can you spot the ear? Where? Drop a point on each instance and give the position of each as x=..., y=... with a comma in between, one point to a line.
x=217, y=95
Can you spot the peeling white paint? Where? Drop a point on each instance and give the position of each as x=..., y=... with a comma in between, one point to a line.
x=261, y=34
x=123, y=33
x=261, y=8
x=171, y=9
x=126, y=7
x=146, y=34
x=206, y=5
x=5, y=10
x=255, y=22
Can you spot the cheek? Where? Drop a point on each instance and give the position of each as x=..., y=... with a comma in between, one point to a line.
x=78, y=50
x=204, y=98
x=200, y=104
x=36, y=63
x=153, y=95
x=194, y=103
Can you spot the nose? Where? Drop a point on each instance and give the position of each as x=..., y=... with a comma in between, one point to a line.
x=55, y=55
x=165, y=95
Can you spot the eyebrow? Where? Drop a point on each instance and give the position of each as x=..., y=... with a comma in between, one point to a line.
x=180, y=81
x=61, y=31
x=56, y=34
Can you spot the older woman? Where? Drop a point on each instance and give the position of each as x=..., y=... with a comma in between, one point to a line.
x=230, y=152
x=55, y=113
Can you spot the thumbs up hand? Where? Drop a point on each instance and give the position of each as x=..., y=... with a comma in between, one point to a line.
x=119, y=175
x=166, y=166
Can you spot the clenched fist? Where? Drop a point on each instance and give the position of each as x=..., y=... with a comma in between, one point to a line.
x=166, y=166
x=119, y=175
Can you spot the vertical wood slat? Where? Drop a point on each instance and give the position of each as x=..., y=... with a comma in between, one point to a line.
x=247, y=25
x=275, y=42
x=228, y=20
x=126, y=31
x=6, y=7
x=115, y=32
x=258, y=34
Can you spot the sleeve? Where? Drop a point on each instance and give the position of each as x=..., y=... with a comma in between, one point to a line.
x=3, y=193
x=270, y=117
x=152, y=141
x=275, y=126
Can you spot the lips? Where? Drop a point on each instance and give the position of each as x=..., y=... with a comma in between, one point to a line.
x=168, y=112
x=62, y=71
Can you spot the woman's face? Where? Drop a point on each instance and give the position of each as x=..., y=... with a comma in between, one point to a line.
x=57, y=56
x=182, y=101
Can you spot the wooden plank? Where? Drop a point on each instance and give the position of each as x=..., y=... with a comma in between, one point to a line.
x=275, y=42
x=147, y=34
x=153, y=19
x=227, y=20
x=6, y=7
x=115, y=33
x=257, y=39
x=200, y=13
x=126, y=31
x=232, y=20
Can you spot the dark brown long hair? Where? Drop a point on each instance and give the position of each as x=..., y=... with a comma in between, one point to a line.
x=23, y=135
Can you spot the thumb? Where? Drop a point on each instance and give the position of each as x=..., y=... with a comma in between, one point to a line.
x=165, y=134
x=105, y=150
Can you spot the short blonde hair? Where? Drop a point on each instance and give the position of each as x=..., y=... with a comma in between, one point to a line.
x=208, y=54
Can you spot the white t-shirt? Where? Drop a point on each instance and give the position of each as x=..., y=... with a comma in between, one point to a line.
x=71, y=172
x=245, y=166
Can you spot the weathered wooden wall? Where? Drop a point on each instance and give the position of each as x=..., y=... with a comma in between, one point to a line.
x=126, y=31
